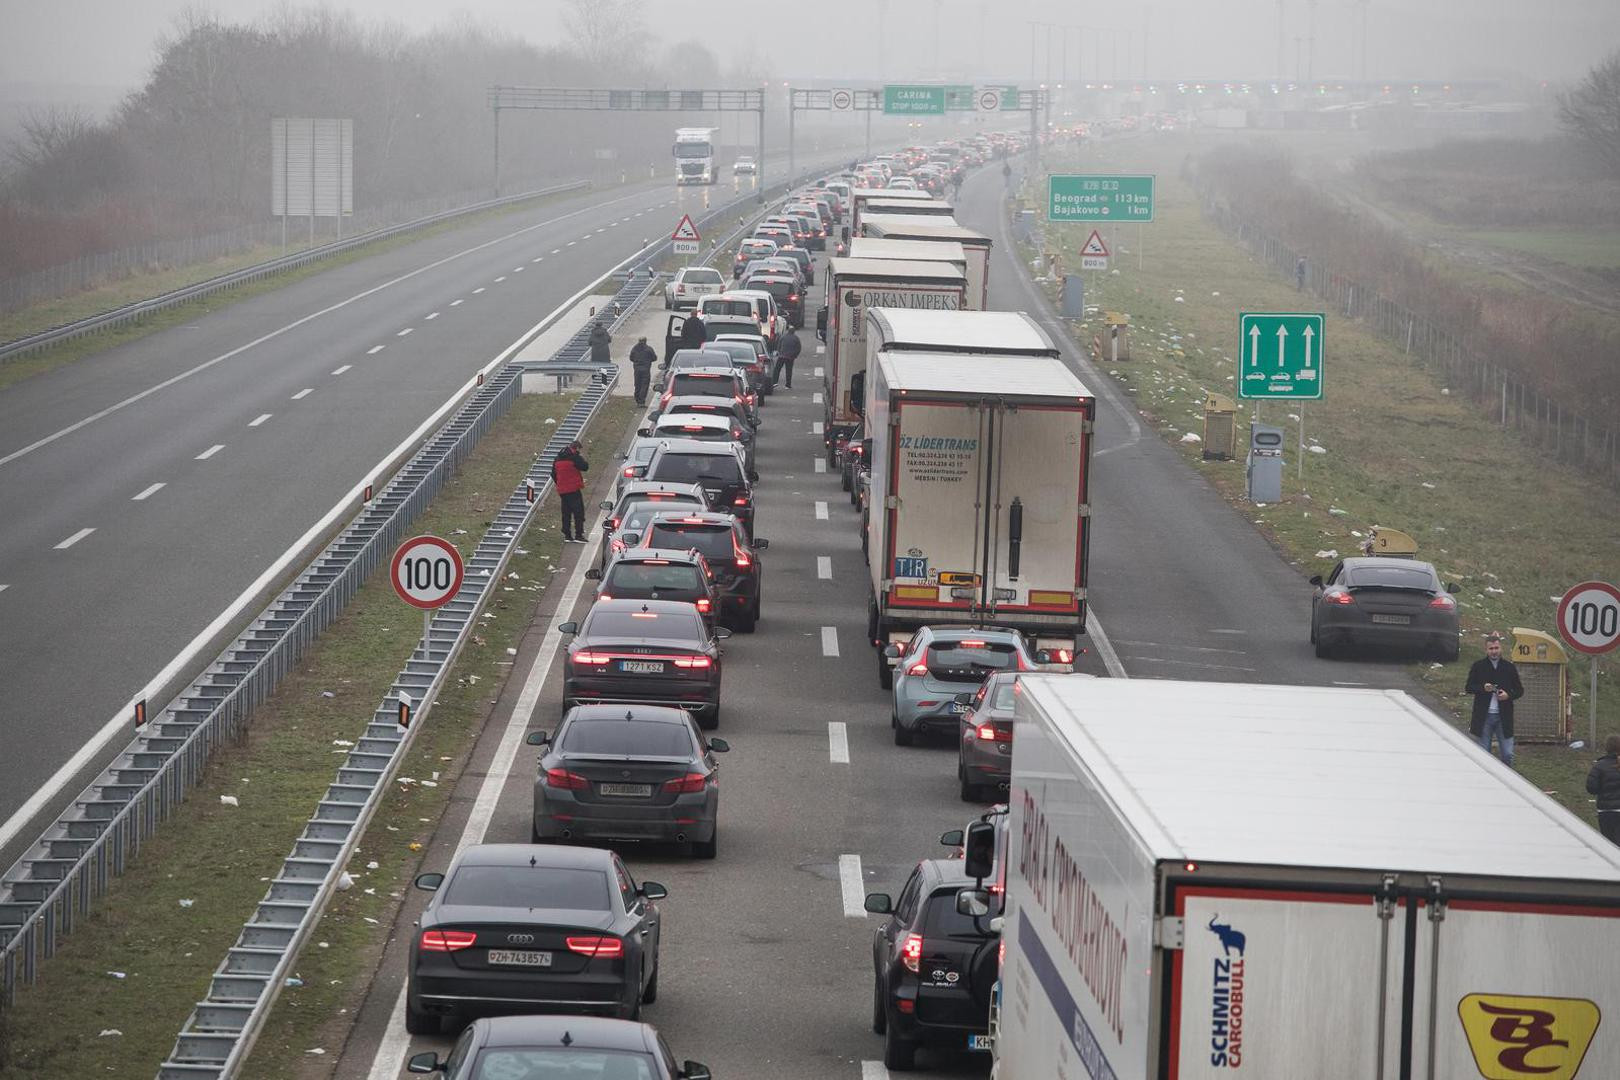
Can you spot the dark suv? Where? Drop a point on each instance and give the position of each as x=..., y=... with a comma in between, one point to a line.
x=659, y=574
x=732, y=557
x=786, y=291
x=933, y=967
x=718, y=467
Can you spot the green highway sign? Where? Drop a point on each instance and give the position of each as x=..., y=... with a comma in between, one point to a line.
x=1009, y=97
x=960, y=98
x=1099, y=198
x=1281, y=355
x=914, y=100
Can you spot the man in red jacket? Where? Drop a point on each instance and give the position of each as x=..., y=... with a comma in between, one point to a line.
x=568, y=477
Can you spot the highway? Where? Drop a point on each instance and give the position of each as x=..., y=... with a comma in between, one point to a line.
x=766, y=967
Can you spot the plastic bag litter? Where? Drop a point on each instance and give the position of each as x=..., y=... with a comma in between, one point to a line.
x=345, y=881
x=229, y=800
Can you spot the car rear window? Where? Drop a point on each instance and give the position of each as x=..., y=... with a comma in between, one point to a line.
x=941, y=919
x=637, y=515
x=1392, y=577
x=561, y=1064
x=701, y=385
x=961, y=661
x=728, y=307
x=626, y=738
x=704, y=276
x=779, y=289
x=712, y=540
x=638, y=575
x=685, y=427
x=721, y=468
x=528, y=887
x=674, y=625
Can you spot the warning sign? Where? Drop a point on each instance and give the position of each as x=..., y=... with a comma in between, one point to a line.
x=1095, y=245
x=685, y=237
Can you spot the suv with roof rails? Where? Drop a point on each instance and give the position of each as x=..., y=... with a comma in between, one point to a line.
x=732, y=557
x=719, y=467
x=660, y=574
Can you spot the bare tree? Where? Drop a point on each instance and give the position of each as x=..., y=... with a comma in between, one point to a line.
x=607, y=32
x=1591, y=112
x=46, y=133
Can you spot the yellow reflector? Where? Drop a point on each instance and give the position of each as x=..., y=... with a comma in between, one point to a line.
x=1051, y=599
x=916, y=592
x=958, y=577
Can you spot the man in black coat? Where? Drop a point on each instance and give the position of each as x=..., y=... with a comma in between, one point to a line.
x=601, y=345
x=642, y=358
x=1604, y=782
x=1494, y=682
x=787, y=351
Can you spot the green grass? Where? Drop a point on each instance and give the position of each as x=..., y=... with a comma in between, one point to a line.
x=1585, y=249
x=1513, y=528
x=219, y=857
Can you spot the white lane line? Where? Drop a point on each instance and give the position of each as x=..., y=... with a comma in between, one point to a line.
x=74, y=539
x=824, y=567
x=829, y=641
x=1336, y=682
x=820, y=349
x=210, y=452
x=3, y=588
x=405, y=331
x=556, y=251
x=587, y=236
x=341, y=370
x=821, y=511
x=261, y=418
x=821, y=464
x=571, y=243
x=518, y=269
x=1105, y=648
x=478, y=290
x=816, y=428
x=149, y=492
x=815, y=398
x=457, y=303
x=390, y=1059
x=430, y=316
x=375, y=349
x=820, y=372
x=874, y=1070
x=304, y=393
x=838, y=742
x=1190, y=663
x=1186, y=648
x=500, y=279
x=852, y=883
x=537, y=258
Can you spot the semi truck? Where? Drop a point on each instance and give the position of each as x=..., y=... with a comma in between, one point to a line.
x=1225, y=879
x=978, y=474
x=943, y=251
x=853, y=286
x=930, y=208
x=975, y=245
x=694, y=155
x=859, y=197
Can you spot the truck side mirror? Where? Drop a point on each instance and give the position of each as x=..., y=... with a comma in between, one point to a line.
x=979, y=850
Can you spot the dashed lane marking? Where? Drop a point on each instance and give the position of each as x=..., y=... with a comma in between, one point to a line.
x=210, y=452
x=500, y=279
x=873, y=1070
x=821, y=511
x=74, y=539
x=375, y=349
x=838, y=742
x=341, y=370
x=261, y=418
x=304, y=393
x=829, y=641
x=148, y=493
x=405, y=331
x=824, y=567
x=431, y=317
x=852, y=884
x=821, y=464
x=478, y=290
x=816, y=428
x=821, y=372
x=816, y=398
x=457, y=303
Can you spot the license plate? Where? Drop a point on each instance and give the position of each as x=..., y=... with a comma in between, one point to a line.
x=1393, y=620
x=960, y=708
x=629, y=791
x=978, y=1042
x=520, y=957
x=642, y=667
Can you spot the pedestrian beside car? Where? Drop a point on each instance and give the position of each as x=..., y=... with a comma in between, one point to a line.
x=1494, y=682
x=601, y=345
x=787, y=351
x=693, y=333
x=1604, y=782
x=568, y=477
x=1299, y=274
x=642, y=358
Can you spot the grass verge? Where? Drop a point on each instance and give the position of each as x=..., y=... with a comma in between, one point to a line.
x=1389, y=444
x=220, y=857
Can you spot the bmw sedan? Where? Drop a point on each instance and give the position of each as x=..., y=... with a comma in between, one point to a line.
x=1380, y=600
x=645, y=652
x=527, y=1047
x=940, y=662
x=641, y=772
x=516, y=928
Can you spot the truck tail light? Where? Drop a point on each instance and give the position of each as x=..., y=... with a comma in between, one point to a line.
x=911, y=953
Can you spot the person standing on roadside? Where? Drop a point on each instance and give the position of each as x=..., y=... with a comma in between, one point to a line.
x=568, y=477
x=1604, y=782
x=642, y=358
x=787, y=351
x=601, y=342
x=1494, y=682
x=1299, y=274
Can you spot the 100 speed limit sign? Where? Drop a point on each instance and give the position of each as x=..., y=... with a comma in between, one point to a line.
x=1589, y=617
x=427, y=571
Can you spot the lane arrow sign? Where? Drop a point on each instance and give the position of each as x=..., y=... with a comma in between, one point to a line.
x=1282, y=344
x=1309, y=334
x=1254, y=346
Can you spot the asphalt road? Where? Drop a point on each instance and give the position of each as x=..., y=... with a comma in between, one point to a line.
x=766, y=967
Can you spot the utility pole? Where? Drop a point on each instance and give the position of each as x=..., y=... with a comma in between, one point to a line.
x=1310, y=40
x=939, y=6
x=1282, y=45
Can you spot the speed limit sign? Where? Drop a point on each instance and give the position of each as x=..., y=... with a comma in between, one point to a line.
x=843, y=100
x=1589, y=617
x=989, y=100
x=426, y=571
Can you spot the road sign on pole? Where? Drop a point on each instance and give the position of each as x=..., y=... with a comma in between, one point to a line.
x=905, y=100
x=685, y=239
x=1099, y=198
x=1281, y=355
x=988, y=99
x=842, y=100
x=427, y=572
x=1589, y=619
x=1094, y=255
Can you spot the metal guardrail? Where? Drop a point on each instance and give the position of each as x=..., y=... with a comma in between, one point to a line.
x=140, y=309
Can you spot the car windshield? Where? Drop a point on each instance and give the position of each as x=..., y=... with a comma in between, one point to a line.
x=554, y=1064
x=721, y=468
x=674, y=625
x=626, y=738
x=1391, y=576
x=637, y=575
x=703, y=276
x=701, y=385
x=528, y=887
x=711, y=539
x=970, y=659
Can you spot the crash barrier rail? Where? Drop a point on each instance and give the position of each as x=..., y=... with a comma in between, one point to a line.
x=140, y=309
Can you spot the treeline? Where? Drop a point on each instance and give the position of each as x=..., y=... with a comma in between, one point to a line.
x=189, y=152
x=1567, y=352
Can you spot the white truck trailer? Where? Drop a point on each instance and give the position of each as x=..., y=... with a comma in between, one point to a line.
x=890, y=205
x=694, y=155
x=975, y=245
x=1290, y=883
x=979, y=514
x=853, y=286
x=917, y=250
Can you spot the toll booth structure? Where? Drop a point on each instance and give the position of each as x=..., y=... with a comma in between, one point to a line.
x=1543, y=714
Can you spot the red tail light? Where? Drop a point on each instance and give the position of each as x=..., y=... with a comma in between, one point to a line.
x=590, y=659
x=563, y=780
x=692, y=783
x=743, y=559
x=604, y=948
x=741, y=500
x=1338, y=596
x=990, y=733
x=703, y=605
x=919, y=668
x=911, y=952
x=1064, y=656
x=1443, y=602
x=613, y=523
x=447, y=940
x=693, y=662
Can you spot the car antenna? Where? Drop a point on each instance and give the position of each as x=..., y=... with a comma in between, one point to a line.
x=531, y=862
x=568, y=1038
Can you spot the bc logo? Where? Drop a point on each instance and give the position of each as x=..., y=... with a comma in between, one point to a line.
x=1514, y=1037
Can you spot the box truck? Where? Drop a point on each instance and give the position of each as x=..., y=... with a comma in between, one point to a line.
x=983, y=333
x=853, y=286
x=1219, y=879
x=889, y=205
x=944, y=251
x=978, y=493
x=975, y=244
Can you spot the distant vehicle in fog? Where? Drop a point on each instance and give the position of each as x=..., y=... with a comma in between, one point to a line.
x=694, y=155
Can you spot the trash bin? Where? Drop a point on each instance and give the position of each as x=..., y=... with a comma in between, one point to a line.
x=1220, y=428
x=1074, y=297
x=1116, y=336
x=1025, y=224
x=1542, y=715
x=1265, y=464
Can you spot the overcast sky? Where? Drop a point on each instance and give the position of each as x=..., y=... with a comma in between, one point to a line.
x=109, y=43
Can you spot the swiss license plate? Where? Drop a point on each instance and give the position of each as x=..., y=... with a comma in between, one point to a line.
x=978, y=1042
x=1393, y=620
x=642, y=667
x=520, y=957
x=628, y=791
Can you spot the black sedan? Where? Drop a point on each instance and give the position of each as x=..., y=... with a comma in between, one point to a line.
x=546, y=1046
x=516, y=928
x=645, y=652
x=1379, y=600
x=641, y=772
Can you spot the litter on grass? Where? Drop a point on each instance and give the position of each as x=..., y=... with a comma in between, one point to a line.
x=229, y=800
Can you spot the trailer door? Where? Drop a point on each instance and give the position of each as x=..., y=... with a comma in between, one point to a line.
x=1030, y=551
x=936, y=518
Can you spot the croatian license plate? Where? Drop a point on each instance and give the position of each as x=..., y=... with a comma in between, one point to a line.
x=1393, y=620
x=520, y=957
x=642, y=667
x=628, y=791
x=978, y=1042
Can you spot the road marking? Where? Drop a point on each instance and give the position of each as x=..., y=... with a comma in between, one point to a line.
x=1189, y=663
x=821, y=372
x=598, y=230
x=821, y=464
x=824, y=567
x=537, y=258
x=874, y=1070
x=478, y=290
x=457, y=303
x=74, y=539
x=405, y=331
x=587, y=236
x=819, y=350
x=500, y=279
x=853, y=885
x=304, y=393
x=821, y=511
x=210, y=452
x=341, y=370
x=1227, y=631
x=556, y=251
x=838, y=742
x=829, y=641
x=3, y=588
x=518, y=269
x=261, y=418
x=149, y=492
x=816, y=398
x=375, y=349
x=1338, y=683
x=816, y=427
x=571, y=243
x=430, y=316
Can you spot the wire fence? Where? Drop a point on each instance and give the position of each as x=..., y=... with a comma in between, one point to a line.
x=1551, y=426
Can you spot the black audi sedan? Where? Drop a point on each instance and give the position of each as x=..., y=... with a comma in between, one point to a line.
x=521, y=928
x=645, y=652
x=545, y=1046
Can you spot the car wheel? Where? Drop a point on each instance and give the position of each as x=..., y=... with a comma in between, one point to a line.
x=902, y=736
x=899, y=1054
x=650, y=995
x=1324, y=651
x=880, y=1014
x=843, y=479
x=707, y=849
x=418, y=1022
